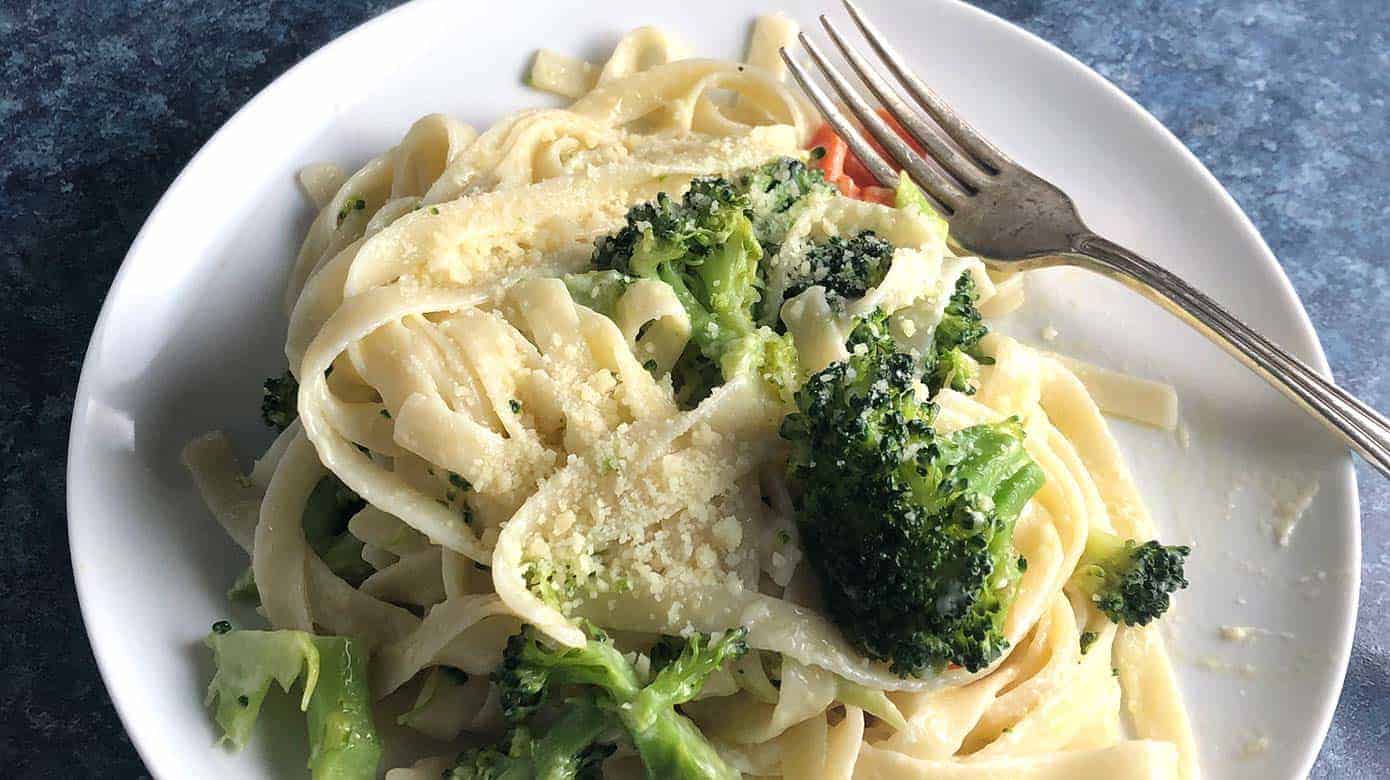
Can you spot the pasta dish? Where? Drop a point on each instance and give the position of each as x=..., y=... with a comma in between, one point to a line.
x=651, y=436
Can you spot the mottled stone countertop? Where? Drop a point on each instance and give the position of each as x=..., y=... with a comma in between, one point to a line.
x=102, y=103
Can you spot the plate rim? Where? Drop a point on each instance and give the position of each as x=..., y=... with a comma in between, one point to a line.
x=78, y=432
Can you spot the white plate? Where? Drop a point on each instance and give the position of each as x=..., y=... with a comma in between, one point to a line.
x=193, y=324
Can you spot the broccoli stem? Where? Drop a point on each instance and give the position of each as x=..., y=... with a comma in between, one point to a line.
x=672, y=746
x=343, y=743
x=669, y=743
x=874, y=702
x=1101, y=559
x=726, y=276
x=1102, y=553
x=561, y=753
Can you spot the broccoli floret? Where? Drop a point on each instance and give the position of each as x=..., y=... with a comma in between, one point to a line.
x=909, y=531
x=670, y=240
x=845, y=268
x=669, y=744
x=1087, y=639
x=1127, y=580
x=331, y=504
x=955, y=354
x=531, y=665
x=280, y=404
x=569, y=750
x=774, y=190
x=705, y=249
x=329, y=507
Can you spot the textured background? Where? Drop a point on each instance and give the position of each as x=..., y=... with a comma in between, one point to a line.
x=103, y=102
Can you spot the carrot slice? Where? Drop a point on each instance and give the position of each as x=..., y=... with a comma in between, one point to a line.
x=855, y=170
x=831, y=163
x=846, y=171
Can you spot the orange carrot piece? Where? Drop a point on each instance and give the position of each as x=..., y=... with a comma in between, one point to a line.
x=845, y=170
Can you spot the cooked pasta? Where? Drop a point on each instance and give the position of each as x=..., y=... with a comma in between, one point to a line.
x=502, y=422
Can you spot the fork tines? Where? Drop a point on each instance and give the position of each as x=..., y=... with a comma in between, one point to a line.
x=960, y=169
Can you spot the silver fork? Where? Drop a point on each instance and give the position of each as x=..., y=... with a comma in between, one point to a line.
x=1016, y=221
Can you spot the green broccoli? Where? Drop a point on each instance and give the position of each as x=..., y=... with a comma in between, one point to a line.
x=1127, y=580
x=327, y=511
x=669, y=744
x=705, y=249
x=531, y=665
x=694, y=377
x=326, y=514
x=774, y=190
x=845, y=268
x=955, y=352
x=909, y=531
x=280, y=403
x=569, y=750
x=598, y=290
x=329, y=507
x=343, y=744
x=1087, y=639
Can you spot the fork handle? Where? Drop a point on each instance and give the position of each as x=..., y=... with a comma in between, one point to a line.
x=1364, y=429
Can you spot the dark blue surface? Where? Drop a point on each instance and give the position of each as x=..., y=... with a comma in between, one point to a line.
x=102, y=103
